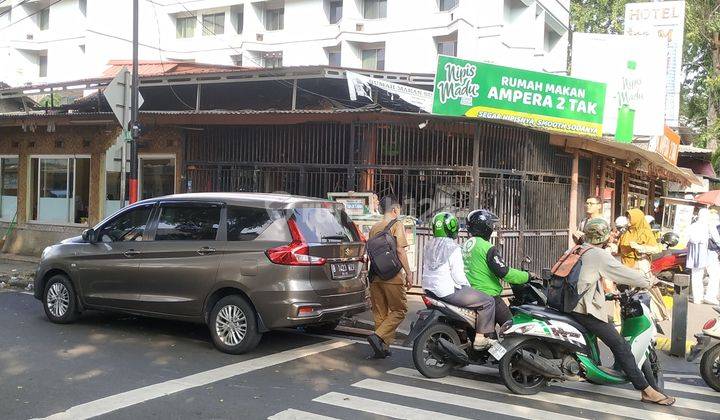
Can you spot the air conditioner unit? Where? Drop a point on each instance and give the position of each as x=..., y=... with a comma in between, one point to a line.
x=259, y=37
x=29, y=37
x=359, y=27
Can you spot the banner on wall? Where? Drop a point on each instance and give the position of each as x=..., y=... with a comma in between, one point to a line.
x=359, y=85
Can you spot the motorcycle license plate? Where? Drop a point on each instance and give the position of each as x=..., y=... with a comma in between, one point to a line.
x=497, y=351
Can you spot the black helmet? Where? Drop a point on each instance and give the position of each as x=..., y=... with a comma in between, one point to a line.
x=481, y=223
x=670, y=239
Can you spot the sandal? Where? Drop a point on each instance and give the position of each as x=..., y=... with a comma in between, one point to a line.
x=666, y=401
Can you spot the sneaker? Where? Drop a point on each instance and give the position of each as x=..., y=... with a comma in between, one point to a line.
x=482, y=342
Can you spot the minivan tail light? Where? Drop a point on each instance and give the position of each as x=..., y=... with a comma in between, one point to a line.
x=296, y=252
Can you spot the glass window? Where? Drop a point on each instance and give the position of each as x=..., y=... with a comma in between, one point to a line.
x=8, y=182
x=446, y=5
x=185, y=27
x=335, y=11
x=113, y=177
x=323, y=224
x=63, y=189
x=179, y=222
x=274, y=19
x=272, y=59
x=42, y=66
x=213, y=24
x=374, y=9
x=373, y=59
x=334, y=58
x=239, y=22
x=237, y=59
x=127, y=226
x=83, y=7
x=447, y=48
x=247, y=223
x=43, y=19
x=157, y=177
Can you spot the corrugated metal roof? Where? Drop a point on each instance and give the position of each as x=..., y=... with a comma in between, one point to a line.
x=167, y=68
x=692, y=150
x=44, y=114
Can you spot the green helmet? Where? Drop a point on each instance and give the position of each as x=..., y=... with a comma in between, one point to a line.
x=597, y=231
x=445, y=225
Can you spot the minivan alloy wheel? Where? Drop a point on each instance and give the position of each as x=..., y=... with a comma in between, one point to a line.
x=58, y=299
x=231, y=325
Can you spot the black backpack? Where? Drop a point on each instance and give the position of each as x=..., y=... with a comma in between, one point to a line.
x=382, y=250
x=562, y=293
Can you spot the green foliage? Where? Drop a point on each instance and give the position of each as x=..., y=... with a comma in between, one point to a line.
x=598, y=16
x=45, y=101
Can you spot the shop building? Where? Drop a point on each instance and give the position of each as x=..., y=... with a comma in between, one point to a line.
x=295, y=130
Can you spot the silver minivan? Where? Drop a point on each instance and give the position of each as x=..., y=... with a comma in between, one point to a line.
x=242, y=263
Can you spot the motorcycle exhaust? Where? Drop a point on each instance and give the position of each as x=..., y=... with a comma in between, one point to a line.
x=549, y=368
x=452, y=352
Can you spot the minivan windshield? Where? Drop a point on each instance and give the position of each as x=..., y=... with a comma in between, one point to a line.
x=325, y=224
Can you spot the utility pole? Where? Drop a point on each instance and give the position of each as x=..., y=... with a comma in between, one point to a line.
x=134, y=123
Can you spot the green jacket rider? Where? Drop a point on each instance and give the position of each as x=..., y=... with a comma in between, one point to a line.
x=484, y=266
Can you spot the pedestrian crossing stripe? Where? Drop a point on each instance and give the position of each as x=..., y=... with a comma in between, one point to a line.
x=576, y=402
x=546, y=397
x=491, y=406
x=382, y=408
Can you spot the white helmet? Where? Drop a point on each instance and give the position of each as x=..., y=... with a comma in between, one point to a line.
x=621, y=222
x=649, y=219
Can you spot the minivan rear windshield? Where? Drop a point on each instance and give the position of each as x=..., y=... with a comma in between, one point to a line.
x=325, y=224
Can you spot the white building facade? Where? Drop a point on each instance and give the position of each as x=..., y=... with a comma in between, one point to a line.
x=46, y=40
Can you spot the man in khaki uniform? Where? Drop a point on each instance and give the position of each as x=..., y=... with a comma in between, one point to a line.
x=389, y=303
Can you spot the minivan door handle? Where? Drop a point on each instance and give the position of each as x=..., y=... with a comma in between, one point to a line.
x=205, y=250
x=131, y=253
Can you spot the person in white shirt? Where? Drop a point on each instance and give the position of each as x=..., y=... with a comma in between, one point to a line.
x=444, y=277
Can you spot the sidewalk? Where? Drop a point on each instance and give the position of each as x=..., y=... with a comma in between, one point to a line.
x=17, y=271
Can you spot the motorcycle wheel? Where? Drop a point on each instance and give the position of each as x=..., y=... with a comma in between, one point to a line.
x=710, y=367
x=426, y=360
x=517, y=379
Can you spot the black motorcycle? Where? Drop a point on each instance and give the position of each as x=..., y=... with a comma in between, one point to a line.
x=443, y=334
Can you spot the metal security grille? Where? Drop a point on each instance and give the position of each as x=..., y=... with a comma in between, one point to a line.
x=445, y=166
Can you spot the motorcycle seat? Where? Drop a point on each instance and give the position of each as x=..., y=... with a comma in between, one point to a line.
x=433, y=296
x=549, y=314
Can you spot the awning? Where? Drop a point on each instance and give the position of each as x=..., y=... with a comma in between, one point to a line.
x=629, y=152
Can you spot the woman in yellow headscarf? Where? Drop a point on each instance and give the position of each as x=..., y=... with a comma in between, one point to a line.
x=636, y=247
x=638, y=242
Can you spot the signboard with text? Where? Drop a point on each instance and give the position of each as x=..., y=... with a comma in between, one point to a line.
x=534, y=99
x=666, y=21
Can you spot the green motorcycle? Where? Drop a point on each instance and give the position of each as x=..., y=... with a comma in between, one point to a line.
x=541, y=344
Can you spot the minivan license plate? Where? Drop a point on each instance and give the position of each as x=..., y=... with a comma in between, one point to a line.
x=343, y=270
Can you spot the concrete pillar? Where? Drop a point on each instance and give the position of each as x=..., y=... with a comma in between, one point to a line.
x=97, y=187
x=573, y=196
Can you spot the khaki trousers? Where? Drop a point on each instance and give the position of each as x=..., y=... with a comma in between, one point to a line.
x=389, y=306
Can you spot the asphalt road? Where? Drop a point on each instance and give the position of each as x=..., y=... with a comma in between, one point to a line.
x=121, y=367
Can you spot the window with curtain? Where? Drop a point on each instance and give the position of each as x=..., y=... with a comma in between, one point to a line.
x=9, y=184
x=275, y=19
x=213, y=24
x=185, y=27
x=373, y=59
x=375, y=9
x=62, y=189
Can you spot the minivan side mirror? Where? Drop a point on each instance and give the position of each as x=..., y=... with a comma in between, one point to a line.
x=89, y=235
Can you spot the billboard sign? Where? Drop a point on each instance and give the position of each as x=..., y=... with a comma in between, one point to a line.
x=665, y=21
x=534, y=99
x=634, y=70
